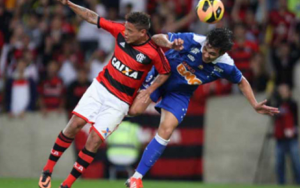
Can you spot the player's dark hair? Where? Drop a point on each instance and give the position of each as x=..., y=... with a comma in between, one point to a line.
x=141, y=20
x=220, y=38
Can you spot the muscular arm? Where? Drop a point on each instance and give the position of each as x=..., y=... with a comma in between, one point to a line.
x=86, y=14
x=162, y=40
x=258, y=107
x=247, y=91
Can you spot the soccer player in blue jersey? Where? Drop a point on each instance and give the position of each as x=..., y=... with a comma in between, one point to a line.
x=201, y=60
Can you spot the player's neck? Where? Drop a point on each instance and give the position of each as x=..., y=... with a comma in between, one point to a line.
x=142, y=41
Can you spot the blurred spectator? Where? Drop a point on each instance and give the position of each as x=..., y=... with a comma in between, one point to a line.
x=260, y=76
x=96, y=64
x=52, y=90
x=284, y=62
x=5, y=18
x=243, y=50
x=88, y=34
x=33, y=30
x=20, y=91
x=70, y=58
x=294, y=6
x=132, y=5
x=282, y=22
x=123, y=148
x=286, y=133
x=77, y=89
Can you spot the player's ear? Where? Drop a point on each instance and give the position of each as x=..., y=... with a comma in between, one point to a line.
x=143, y=31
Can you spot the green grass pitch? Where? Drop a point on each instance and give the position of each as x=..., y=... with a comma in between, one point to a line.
x=33, y=183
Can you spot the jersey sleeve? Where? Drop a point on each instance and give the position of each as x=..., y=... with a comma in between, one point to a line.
x=161, y=63
x=235, y=76
x=110, y=26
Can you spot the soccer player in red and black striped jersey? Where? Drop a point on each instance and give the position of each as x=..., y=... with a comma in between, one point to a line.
x=107, y=100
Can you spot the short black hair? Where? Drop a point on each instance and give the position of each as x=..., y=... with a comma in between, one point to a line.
x=220, y=38
x=140, y=19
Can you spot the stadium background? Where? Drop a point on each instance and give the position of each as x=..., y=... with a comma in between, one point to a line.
x=42, y=38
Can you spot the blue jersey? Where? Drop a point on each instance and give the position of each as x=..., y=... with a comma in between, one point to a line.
x=188, y=71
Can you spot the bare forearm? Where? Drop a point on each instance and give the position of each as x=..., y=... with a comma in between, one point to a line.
x=162, y=40
x=84, y=13
x=247, y=91
x=159, y=80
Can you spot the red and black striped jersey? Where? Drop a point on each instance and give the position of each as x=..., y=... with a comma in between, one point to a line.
x=129, y=65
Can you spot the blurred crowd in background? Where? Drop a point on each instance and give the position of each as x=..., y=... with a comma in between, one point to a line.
x=49, y=56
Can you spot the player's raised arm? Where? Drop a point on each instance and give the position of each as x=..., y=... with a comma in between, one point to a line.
x=162, y=40
x=260, y=107
x=84, y=13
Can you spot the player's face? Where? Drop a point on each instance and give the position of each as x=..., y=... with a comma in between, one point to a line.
x=209, y=53
x=132, y=34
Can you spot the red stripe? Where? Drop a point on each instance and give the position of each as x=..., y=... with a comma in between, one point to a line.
x=82, y=117
x=62, y=143
x=177, y=167
x=85, y=157
x=20, y=82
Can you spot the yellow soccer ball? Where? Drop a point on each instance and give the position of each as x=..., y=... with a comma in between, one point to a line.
x=210, y=11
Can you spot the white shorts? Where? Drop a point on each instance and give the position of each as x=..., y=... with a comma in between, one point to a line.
x=101, y=109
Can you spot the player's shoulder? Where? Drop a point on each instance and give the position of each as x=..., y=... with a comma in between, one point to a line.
x=225, y=60
x=199, y=38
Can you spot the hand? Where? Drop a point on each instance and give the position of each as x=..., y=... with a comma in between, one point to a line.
x=262, y=108
x=177, y=44
x=64, y=2
x=144, y=95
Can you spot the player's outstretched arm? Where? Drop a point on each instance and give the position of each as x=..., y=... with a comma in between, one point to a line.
x=84, y=13
x=162, y=40
x=260, y=107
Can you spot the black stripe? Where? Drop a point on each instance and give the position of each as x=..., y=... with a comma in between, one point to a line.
x=133, y=53
x=67, y=138
x=182, y=152
x=64, y=138
x=153, y=121
x=75, y=173
x=120, y=87
x=91, y=154
x=82, y=162
x=53, y=158
x=177, y=178
x=98, y=22
x=56, y=147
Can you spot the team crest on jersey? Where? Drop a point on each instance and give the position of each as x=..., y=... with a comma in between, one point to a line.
x=189, y=77
x=195, y=50
x=140, y=57
x=125, y=69
x=200, y=67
